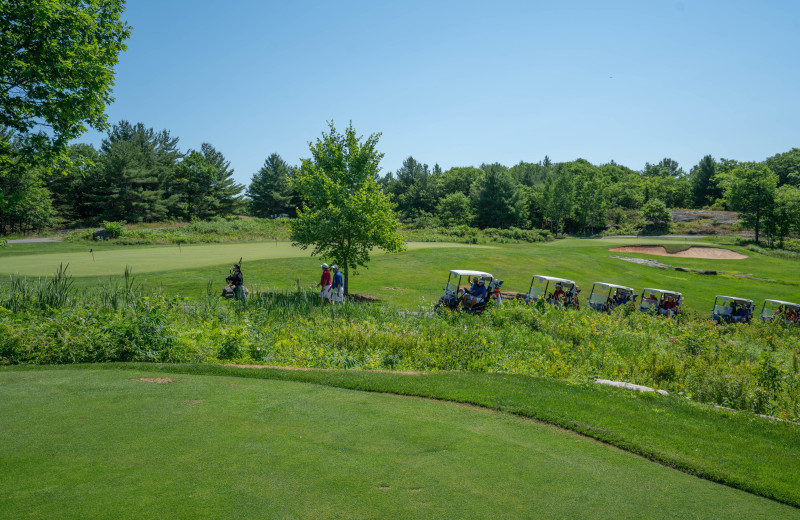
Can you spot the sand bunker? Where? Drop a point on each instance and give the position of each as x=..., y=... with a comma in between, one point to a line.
x=711, y=253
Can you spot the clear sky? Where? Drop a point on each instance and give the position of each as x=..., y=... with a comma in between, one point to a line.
x=460, y=83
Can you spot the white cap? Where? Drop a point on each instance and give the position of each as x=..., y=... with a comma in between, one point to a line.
x=324, y=266
x=334, y=267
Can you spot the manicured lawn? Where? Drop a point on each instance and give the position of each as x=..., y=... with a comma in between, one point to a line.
x=101, y=443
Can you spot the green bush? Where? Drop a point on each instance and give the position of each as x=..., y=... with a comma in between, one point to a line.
x=115, y=229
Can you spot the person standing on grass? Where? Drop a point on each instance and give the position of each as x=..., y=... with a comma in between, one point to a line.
x=237, y=280
x=325, y=283
x=337, y=287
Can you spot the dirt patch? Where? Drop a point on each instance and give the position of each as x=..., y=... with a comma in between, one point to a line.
x=193, y=402
x=709, y=253
x=158, y=380
x=361, y=298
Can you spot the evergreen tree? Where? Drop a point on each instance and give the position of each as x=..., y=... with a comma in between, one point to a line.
x=205, y=186
x=414, y=189
x=270, y=191
x=136, y=179
x=493, y=198
x=702, y=181
x=71, y=188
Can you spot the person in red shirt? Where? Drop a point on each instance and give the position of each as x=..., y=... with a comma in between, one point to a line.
x=325, y=283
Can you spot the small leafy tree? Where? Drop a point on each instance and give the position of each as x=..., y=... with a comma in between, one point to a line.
x=344, y=213
x=751, y=192
x=786, y=217
x=656, y=212
x=454, y=209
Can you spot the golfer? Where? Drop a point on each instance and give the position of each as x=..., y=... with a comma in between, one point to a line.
x=325, y=283
x=337, y=288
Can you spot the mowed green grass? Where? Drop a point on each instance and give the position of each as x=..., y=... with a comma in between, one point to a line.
x=45, y=258
x=417, y=276
x=103, y=444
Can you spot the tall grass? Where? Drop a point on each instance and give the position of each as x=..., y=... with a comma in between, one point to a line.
x=747, y=367
x=195, y=232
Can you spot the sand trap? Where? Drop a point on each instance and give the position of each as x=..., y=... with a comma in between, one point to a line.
x=711, y=253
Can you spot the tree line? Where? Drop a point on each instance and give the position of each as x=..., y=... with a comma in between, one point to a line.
x=571, y=197
x=140, y=175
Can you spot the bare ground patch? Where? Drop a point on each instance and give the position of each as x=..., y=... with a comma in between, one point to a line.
x=157, y=380
x=709, y=253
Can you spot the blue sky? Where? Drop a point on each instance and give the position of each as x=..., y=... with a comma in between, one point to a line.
x=460, y=83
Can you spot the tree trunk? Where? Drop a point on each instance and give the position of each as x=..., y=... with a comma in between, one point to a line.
x=346, y=277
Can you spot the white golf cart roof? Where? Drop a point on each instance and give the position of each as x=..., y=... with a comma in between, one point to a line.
x=553, y=279
x=662, y=291
x=479, y=274
x=779, y=302
x=734, y=298
x=613, y=286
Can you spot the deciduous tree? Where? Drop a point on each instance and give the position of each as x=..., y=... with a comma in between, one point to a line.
x=751, y=192
x=57, y=62
x=344, y=214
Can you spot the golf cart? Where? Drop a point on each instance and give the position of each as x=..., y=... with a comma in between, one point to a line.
x=732, y=310
x=659, y=301
x=790, y=312
x=454, y=292
x=555, y=291
x=608, y=296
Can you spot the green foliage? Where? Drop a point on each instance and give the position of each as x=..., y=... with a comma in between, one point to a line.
x=785, y=218
x=704, y=191
x=345, y=214
x=454, y=209
x=58, y=68
x=203, y=186
x=131, y=181
x=493, y=198
x=558, y=201
x=656, y=212
x=747, y=367
x=786, y=166
x=197, y=232
x=414, y=189
x=750, y=190
x=459, y=180
x=270, y=192
x=115, y=229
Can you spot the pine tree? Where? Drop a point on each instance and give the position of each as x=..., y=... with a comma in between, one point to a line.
x=270, y=192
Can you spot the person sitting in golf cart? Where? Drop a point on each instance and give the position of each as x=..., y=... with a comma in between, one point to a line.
x=475, y=294
x=650, y=301
x=669, y=307
x=621, y=297
x=741, y=314
x=558, y=295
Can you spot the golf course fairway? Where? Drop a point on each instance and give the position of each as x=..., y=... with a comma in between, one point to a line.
x=78, y=443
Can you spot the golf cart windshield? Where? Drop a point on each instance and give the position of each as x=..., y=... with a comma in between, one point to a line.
x=773, y=308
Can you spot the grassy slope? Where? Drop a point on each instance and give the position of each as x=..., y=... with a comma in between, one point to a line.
x=405, y=279
x=97, y=444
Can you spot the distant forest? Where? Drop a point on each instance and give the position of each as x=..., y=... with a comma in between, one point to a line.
x=140, y=175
